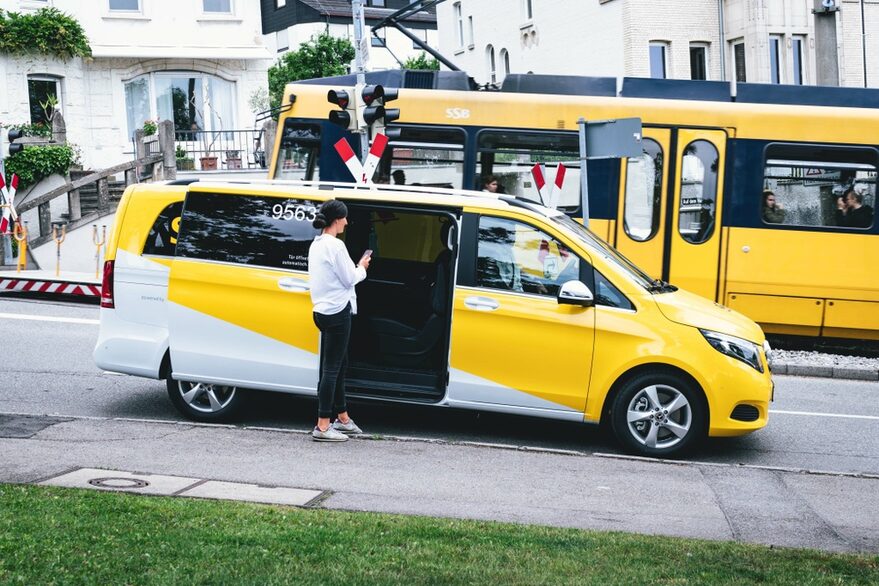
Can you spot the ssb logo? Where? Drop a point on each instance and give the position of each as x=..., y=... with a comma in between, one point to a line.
x=457, y=113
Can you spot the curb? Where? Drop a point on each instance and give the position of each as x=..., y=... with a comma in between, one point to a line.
x=840, y=372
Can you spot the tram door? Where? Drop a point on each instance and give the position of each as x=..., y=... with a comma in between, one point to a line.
x=674, y=232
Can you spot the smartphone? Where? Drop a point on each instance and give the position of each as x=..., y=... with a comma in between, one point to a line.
x=367, y=253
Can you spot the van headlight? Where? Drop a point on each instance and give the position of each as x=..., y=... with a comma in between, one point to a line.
x=737, y=348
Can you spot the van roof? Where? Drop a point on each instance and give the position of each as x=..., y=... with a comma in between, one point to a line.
x=410, y=194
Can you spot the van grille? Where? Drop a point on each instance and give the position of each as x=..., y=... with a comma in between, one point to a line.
x=745, y=413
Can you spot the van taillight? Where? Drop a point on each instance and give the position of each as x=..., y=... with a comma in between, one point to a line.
x=107, y=286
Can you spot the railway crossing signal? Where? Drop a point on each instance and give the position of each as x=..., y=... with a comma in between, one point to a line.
x=375, y=115
x=342, y=117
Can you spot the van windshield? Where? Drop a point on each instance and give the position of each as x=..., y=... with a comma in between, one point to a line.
x=599, y=246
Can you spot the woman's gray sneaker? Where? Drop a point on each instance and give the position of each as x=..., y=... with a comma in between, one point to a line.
x=349, y=428
x=330, y=435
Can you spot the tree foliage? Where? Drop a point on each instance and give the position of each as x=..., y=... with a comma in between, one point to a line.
x=47, y=31
x=422, y=63
x=321, y=56
x=34, y=163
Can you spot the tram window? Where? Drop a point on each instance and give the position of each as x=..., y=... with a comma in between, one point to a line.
x=824, y=187
x=298, y=153
x=643, y=192
x=698, y=192
x=510, y=155
x=426, y=156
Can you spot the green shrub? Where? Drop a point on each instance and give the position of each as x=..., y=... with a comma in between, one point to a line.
x=48, y=31
x=38, y=162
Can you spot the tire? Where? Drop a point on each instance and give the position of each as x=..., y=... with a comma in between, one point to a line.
x=659, y=414
x=205, y=402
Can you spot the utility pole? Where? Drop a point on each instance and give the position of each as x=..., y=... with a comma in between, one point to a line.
x=361, y=59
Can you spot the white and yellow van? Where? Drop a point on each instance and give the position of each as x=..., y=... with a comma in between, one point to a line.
x=472, y=301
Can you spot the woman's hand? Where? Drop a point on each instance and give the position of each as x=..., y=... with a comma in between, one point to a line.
x=364, y=262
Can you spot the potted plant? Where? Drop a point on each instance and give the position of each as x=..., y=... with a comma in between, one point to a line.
x=184, y=163
x=149, y=130
x=233, y=159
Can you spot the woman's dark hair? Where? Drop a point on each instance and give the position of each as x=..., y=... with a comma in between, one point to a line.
x=328, y=213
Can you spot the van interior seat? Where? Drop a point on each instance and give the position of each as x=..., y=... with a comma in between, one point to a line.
x=405, y=343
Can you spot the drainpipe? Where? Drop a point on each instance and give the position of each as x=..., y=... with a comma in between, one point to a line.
x=723, y=41
x=864, y=42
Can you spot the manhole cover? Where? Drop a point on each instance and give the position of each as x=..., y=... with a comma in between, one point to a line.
x=116, y=482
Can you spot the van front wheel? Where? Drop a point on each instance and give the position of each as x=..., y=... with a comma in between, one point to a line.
x=204, y=402
x=659, y=415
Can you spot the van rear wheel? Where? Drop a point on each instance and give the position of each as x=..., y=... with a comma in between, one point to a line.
x=204, y=402
x=658, y=414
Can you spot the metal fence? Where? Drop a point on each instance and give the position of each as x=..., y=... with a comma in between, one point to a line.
x=209, y=150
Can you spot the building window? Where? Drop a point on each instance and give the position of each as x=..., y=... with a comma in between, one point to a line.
x=698, y=61
x=775, y=59
x=282, y=37
x=492, y=65
x=280, y=3
x=41, y=91
x=125, y=5
x=218, y=6
x=377, y=3
x=797, y=44
x=378, y=39
x=739, y=61
x=470, y=31
x=527, y=9
x=658, y=60
x=195, y=102
x=505, y=62
x=459, y=22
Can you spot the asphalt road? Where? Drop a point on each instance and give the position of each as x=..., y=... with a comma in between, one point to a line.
x=815, y=424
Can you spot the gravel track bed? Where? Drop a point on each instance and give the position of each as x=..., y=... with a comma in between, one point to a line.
x=812, y=358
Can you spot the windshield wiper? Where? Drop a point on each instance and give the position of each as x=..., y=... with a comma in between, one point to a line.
x=660, y=286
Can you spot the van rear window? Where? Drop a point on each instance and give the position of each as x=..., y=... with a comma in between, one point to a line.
x=251, y=230
x=162, y=239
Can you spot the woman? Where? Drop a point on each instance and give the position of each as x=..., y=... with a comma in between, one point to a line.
x=490, y=184
x=332, y=276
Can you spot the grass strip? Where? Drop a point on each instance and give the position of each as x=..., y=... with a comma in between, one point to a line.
x=66, y=536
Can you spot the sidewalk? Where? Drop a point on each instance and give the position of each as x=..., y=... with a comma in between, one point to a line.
x=790, y=508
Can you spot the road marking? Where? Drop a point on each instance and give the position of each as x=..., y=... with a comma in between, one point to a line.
x=67, y=320
x=811, y=414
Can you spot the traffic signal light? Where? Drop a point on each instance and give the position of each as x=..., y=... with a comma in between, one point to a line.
x=8, y=146
x=374, y=99
x=341, y=117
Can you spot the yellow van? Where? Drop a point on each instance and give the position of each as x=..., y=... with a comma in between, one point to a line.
x=472, y=301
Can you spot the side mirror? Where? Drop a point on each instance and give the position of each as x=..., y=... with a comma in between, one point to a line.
x=575, y=293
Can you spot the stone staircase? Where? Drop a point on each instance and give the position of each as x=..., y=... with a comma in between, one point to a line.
x=88, y=195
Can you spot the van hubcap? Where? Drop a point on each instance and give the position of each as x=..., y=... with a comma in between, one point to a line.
x=659, y=416
x=206, y=398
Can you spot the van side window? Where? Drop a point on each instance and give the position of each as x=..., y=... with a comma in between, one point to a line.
x=698, y=191
x=162, y=239
x=513, y=256
x=814, y=185
x=607, y=294
x=251, y=230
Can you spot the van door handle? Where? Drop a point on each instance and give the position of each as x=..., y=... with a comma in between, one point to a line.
x=294, y=285
x=481, y=303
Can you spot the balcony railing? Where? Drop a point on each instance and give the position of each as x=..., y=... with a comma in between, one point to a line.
x=209, y=150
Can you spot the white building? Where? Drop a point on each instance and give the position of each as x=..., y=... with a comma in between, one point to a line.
x=196, y=62
x=765, y=41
